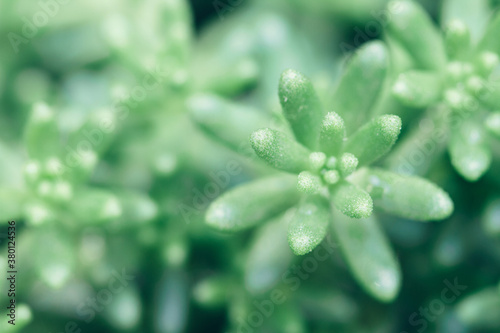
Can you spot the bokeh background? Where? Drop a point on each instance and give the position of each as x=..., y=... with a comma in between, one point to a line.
x=108, y=178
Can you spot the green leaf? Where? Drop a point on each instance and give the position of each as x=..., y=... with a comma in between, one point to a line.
x=418, y=89
x=212, y=292
x=486, y=62
x=11, y=204
x=95, y=206
x=489, y=95
x=421, y=146
x=374, y=139
x=406, y=196
x=229, y=123
x=473, y=14
x=456, y=38
x=24, y=316
x=301, y=107
x=480, y=310
x=490, y=40
x=469, y=150
x=280, y=151
x=332, y=134
x=308, y=183
x=309, y=225
x=492, y=123
x=249, y=204
x=413, y=28
x=41, y=133
x=360, y=84
x=369, y=256
x=269, y=256
x=317, y=161
x=491, y=219
x=352, y=200
x=95, y=134
x=347, y=164
x=231, y=80
x=138, y=209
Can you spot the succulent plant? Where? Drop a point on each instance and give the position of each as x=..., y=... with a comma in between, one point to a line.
x=331, y=160
x=455, y=71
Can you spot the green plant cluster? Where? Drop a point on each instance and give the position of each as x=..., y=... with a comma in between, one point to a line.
x=185, y=166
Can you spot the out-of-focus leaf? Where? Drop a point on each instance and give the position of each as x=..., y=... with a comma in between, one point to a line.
x=369, y=256
x=360, y=84
x=249, y=204
x=413, y=28
x=491, y=219
x=490, y=40
x=230, y=123
x=456, y=38
x=269, y=255
x=480, y=310
x=417, y=89
x=41, y=133
x=474, y=14
x=470, y=154
x=95, y=206
x=171, y=311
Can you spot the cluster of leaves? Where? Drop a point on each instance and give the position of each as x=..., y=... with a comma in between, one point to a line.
x=113, y=176
x=327, y=166
x=454, y=70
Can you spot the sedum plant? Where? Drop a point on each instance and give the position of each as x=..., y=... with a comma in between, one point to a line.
x=453, y=73
x=325, y=160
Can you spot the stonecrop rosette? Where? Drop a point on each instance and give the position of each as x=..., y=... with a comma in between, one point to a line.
x=325, y=160
x=454, y=70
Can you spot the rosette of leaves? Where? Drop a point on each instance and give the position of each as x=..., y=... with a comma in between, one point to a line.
x=451, y=72
x=324, y=160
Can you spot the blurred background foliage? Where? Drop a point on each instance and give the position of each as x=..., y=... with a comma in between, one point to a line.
x=105, y=173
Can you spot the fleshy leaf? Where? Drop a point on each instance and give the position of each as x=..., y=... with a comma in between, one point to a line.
x=347, y=164
x=470, y=154
x=229, y=123
x=308, y=182
x=41, y=133
x=309, y=225
x=406, y=196
x=317, y=161
x=352, y=200
x=492, y=123
x=249, y=204
x=360, y=84
x=280, y=151
x=97, y=132
x=95, y=206
x=369, y=256
x=374, y=139
x=456, y=38
x=301, y=107
x=491, y=218
x=474, y=14
x=417, y=89
x=269, y=255
x=332, y=134
x=413, y=28
x=480, y=310
x=489, y=95
x=490, y=40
